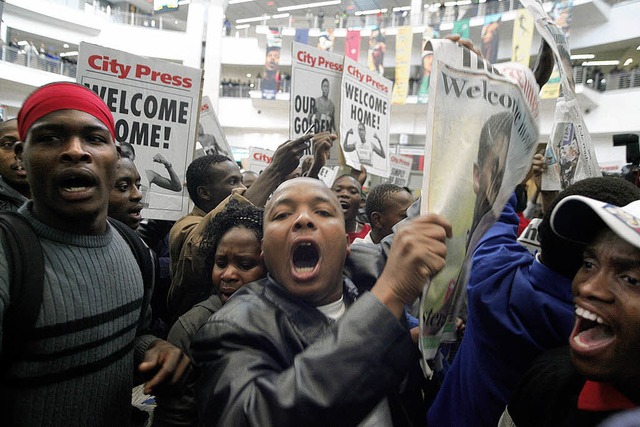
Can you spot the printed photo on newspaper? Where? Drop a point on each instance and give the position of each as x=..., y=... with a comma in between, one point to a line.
x=211, y=136
x=570, y=155
x=155, y=105
x=315, y=94
x=364, y=119
x=482, y=132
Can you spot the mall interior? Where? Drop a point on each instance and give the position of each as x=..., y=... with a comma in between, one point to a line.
x=227, y=39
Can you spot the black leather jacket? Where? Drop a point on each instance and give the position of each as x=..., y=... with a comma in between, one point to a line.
x=267, y=358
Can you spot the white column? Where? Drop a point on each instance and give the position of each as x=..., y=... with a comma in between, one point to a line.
x=416, y=13
x=212, y=57
x=204, y=24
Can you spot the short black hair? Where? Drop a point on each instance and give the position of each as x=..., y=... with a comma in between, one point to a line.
x=128, y=146
x=562, y=255
x=349, y=176
x=378, y=196
x=249, y=217
x=198, y=173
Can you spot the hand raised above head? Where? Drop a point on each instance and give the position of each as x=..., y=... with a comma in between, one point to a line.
x=464, y=42
x=287, y=156
x=322, y=143
x=418, y=253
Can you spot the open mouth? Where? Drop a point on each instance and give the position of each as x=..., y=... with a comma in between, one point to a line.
x=590, y=331
x=345, y=205
x=305, y=257
x=76, y=183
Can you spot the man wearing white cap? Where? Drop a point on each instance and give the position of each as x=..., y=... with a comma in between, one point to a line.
x=599, y=374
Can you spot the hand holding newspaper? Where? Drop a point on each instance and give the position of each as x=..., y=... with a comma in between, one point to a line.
x=570, y=154
x=481, y=138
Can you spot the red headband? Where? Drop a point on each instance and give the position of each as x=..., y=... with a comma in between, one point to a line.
x=63, y=96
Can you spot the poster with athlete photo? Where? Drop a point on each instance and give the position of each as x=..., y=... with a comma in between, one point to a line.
x=155, y=106
x=315, y=94
x=364, y=118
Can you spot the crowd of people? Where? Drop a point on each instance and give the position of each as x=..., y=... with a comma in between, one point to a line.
x=277, y=302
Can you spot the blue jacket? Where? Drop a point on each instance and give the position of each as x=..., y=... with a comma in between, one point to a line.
x=517, y=309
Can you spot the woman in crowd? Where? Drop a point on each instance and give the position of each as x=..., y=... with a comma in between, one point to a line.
x=231, y=246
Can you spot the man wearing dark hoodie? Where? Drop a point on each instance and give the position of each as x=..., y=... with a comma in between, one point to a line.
x=519, y=305
x=14, y=187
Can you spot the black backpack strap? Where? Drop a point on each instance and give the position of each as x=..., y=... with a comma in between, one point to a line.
x=26, y=265
x=144, y=259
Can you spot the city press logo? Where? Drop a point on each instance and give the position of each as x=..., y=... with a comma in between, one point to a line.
x=628, y=219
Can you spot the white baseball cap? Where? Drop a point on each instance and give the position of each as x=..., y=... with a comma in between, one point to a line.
x=579, y=218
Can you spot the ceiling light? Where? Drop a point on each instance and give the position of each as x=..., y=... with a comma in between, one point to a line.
x=66, y=46
x=594, y=63
x=184, y=2
x=72, y=53
x=583, y=56
x=256, y=19
x=23, y=43
x=401, y=9
x=370, y=12
x=627, y=62
x=281, y=15
x=239, y=1
x=242, y=27
x=309, y=5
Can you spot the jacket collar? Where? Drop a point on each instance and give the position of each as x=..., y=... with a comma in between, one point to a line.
x=309, y=322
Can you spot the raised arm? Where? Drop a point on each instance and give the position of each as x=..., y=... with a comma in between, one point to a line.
x=345, y=145
x=173, y=183
x=285, y=160
x=378, y=150
x=322, y=144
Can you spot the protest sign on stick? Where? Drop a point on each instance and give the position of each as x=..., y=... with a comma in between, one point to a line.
x=364, y=118
x=155, y=106
x=315, y=94
x=481, y=138
x=400, y=169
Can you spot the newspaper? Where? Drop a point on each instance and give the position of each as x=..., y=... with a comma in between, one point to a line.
x=155, y=105
x=364, y=118
x=570, y=156
x=211, y=137
x=258, y=160
x=315, y=94
x=400, y=169
x=482, y=134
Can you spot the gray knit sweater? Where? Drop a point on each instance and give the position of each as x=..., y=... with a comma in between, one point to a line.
x=80, y=360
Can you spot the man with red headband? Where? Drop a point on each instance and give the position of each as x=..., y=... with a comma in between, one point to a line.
x=78, y=361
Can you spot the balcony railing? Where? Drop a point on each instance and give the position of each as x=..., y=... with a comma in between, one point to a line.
x=30, y=59
x=582, y=75
x=614, y=80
